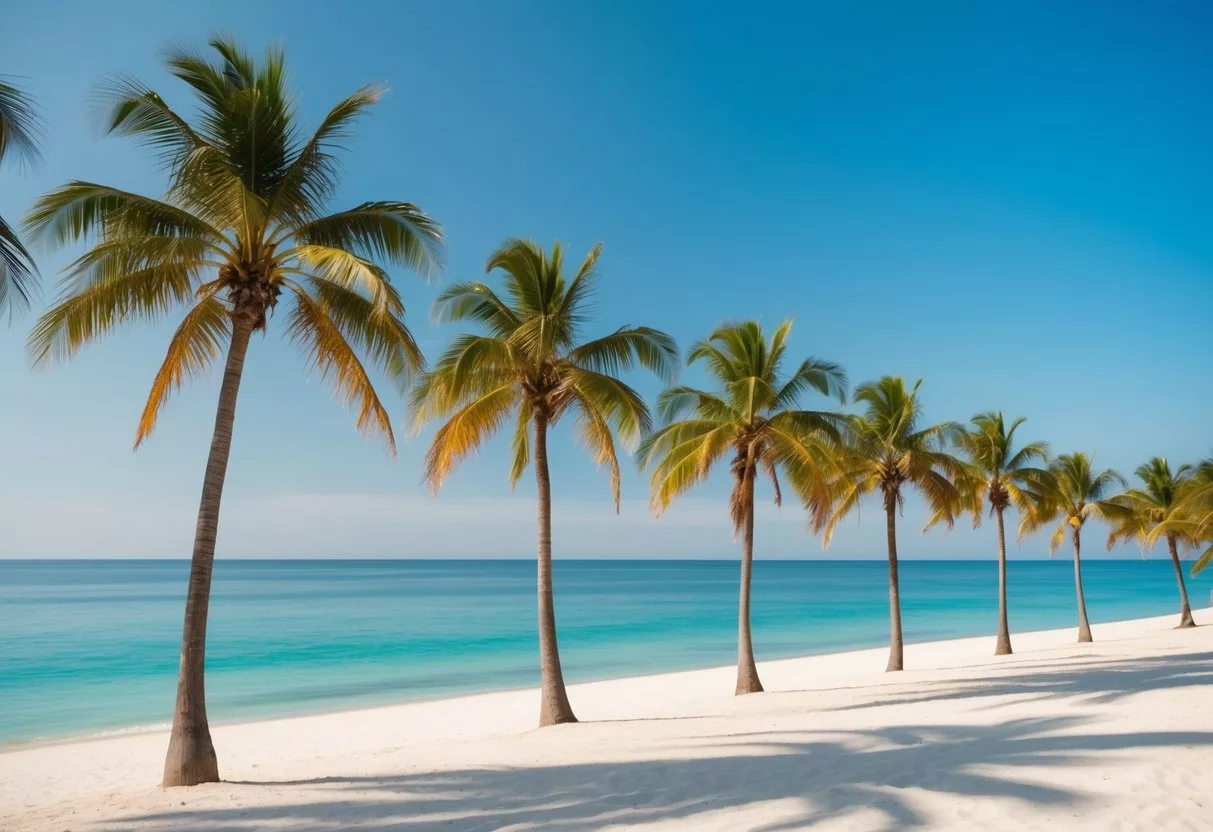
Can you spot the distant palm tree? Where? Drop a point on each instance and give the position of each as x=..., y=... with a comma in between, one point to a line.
x=532, y=364
x=1139, y=510
x=755, y=416
x=241, y=224
x=1192, y=517
x=1072, y=493
x=20, y=134
x=887, y=451
x=1004, y=477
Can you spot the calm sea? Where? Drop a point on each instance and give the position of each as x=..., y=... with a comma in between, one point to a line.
x=91, y=646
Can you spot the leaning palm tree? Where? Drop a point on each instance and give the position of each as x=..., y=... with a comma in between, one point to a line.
x=1004, y=476
x=1071, y=493
x=241, y=224
x=20, y=134
x=532, y=363
x=1139, y=510
x=754, y=415
x=888, y=451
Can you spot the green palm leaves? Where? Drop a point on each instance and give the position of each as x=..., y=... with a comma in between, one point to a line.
x=999, y=472
x=20, y=135
x=532, y=364
x=1071, y=493
x=1137, y=512
x=887, y=450
x=241, y=225
x=752, y=414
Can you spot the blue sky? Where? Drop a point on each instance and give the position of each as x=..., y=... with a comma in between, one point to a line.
x=1012, y=201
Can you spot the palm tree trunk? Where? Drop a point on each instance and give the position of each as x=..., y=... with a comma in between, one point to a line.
x=554, y=705
x=1003, y=647
x=747, y=671
x=1084, y=626
x=895, y=641
x=1185, y=609
x=191, y=754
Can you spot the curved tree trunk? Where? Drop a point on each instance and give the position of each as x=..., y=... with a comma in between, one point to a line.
x=1003, y=646
x=1185, y=609
x=554, y=705
x=1084, y=626
x=191, y=754
x=747, y=671
x=895, y=642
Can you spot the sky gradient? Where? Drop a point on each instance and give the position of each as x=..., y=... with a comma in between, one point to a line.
x=1011, y=201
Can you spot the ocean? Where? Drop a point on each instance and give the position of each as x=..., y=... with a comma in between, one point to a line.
x=90, y=647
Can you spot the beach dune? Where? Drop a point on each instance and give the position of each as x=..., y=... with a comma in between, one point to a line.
x=1114, y=735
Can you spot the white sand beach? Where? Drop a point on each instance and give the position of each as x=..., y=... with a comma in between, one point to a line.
x=1116, y=735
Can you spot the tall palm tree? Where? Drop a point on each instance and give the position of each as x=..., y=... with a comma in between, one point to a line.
x=240, y=225
x=888, y=451
x=532, y=363
x=1139, y=510
x=20, y=135
x=755, y=415
x=1072, y=493
x=1004, y=476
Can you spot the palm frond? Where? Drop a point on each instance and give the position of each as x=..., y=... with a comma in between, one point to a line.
x=391, y=232
x=465, y=431
x=21, y=126
x=377, y=330
x=18, y=273
x=521, y=442
x=626, y=347
x=197, y=342
x=598, y=440
x=311, y=175
x=313, y=329
x=84, y=315
x=78, y=209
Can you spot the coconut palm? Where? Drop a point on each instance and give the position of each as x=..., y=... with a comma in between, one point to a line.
x=1191, y=518
x=753, y=415
x=241, y=225
x=1141, y=509
x=1004, y=476
x=1072, y=493
x=888, y=451
x=532, y=364
x=20, y=134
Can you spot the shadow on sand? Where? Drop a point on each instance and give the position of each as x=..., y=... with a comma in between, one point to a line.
x=821, y=776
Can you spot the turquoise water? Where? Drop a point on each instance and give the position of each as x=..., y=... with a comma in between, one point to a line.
x=91, y=646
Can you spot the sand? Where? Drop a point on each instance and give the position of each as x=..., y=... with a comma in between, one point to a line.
x=1115, y=735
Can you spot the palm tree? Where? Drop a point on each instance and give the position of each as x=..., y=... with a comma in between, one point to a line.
x=1191, y=519
x=1139, y=510
x=20, y=133
x=1071, y=493
x=888, y=451
x=533, y=364
x=1004, y=477
x=754, y=415
x=241, y=224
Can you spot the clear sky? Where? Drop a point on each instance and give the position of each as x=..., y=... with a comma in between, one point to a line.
x=1011, y=200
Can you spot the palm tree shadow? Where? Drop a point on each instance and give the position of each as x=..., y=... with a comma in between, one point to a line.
x=1094, y=682
x=814, y=776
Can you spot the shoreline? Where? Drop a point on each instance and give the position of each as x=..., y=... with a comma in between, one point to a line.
x=671, y=737
x=846, y=654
